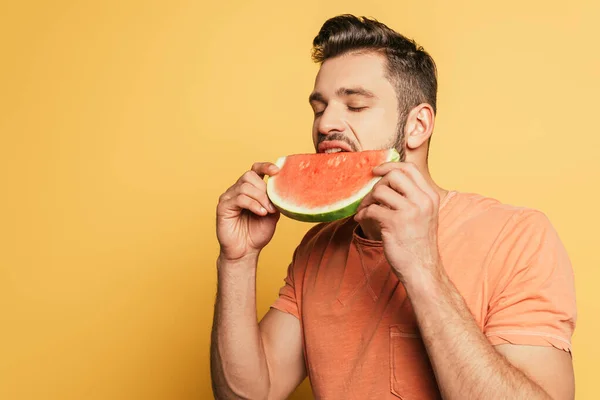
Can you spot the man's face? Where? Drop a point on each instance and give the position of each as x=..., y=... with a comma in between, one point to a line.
x=355, y=105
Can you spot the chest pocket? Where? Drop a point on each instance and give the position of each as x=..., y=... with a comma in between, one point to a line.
x=411, y=373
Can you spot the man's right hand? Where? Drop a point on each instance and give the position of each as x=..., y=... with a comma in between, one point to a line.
x=246, y=218
x=250, y=360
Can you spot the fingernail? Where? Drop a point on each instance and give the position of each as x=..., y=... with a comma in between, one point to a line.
x=271, y=208
x=263, y=210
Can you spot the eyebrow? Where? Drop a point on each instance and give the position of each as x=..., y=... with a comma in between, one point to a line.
x=342, y=92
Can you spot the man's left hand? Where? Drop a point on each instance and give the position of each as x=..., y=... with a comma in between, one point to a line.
x=402, y=212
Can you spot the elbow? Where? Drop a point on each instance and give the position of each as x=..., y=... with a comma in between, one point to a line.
x=242, y=388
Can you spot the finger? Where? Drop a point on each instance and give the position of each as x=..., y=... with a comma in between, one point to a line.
x=403, y=184
x=374, y=212
x=233, y=190
x=384, y=195
x=252, y=178
x=245, y=202
x=410, y=170
x=265, y=168
x=260, y=195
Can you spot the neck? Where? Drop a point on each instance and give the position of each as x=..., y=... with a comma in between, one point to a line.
x=419, y=157
x=424, y=169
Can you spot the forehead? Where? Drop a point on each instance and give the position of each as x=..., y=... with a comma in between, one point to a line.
x=367, y=70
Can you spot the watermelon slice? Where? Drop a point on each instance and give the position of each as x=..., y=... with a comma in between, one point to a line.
x=325, y=187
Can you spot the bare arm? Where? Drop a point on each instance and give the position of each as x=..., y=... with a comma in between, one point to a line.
x=468, y=366
x=238, y=363
x=282, y=339
x=248, y=360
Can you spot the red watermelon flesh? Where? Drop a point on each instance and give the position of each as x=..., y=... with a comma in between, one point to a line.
x=325, y=187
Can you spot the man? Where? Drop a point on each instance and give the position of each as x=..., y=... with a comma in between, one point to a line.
x=424, y=293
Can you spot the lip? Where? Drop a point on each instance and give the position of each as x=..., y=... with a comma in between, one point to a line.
x=333, y=144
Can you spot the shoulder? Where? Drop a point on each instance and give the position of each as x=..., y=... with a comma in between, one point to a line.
x=520, y=241
x=504, y=234
x=478, y=212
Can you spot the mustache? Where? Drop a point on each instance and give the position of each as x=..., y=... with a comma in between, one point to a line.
x=336, y=136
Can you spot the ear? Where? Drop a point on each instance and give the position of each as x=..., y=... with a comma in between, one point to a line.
x=419, y=126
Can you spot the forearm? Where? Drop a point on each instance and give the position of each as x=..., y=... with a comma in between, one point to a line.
x=238, y=363
x=465, y=363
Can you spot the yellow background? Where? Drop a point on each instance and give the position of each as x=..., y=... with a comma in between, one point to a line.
x=122, y=121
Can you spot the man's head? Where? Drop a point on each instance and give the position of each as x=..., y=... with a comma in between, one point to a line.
x=375, y=89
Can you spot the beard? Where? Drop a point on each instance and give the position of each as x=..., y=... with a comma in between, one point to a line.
x=337, y=136
x=398, y=142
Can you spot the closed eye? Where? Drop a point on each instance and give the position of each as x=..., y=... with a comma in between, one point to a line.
x=356, y=109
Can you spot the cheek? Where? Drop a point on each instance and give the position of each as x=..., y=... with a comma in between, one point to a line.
x=390, y=118
x=375, y=129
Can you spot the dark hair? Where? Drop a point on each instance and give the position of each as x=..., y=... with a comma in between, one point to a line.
x=410, y=68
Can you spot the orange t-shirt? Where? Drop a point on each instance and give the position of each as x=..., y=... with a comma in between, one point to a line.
x=360, y=336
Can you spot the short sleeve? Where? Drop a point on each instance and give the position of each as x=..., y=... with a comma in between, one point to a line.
x=287, y=301
x=533, y=293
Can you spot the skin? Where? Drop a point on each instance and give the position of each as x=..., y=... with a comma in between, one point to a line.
x=265, y=360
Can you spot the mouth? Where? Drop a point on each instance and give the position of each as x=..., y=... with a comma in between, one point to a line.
x=336, y=146
x=333, y=150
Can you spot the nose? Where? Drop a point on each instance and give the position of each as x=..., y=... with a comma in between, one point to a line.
x=331, y=121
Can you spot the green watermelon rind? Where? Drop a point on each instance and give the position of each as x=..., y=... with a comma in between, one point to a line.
x=347, y=208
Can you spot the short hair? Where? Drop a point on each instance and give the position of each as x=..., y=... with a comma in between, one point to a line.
x=409, y=67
